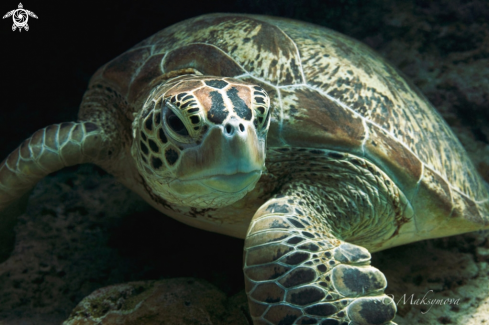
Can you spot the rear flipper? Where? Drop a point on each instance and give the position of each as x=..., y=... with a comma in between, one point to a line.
x=298, y=272
x=46, y=151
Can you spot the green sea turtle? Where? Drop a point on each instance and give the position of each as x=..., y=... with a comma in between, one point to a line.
x=20, y=17
x=296, y=138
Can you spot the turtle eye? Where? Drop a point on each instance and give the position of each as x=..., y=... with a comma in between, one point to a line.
x=261, y=103
x=176, y=124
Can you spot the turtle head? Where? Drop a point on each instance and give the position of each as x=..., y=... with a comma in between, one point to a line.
x=200, y=141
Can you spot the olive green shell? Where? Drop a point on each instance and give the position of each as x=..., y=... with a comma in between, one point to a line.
x=327, y=91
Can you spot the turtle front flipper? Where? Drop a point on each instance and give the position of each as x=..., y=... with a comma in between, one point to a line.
x=46, y=151
x=298, y=272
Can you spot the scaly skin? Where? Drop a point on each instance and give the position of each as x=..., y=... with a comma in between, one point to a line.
x=297, y=271
x=299, y=264
x=46, y=151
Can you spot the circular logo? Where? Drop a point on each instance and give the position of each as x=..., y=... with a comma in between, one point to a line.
x=20, y=17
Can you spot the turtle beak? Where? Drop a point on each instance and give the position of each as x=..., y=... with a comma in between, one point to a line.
x=230, y=158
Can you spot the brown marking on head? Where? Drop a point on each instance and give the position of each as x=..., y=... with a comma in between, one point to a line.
x=240, y=95
x=203, y=96
x=233, y=91
x=184, y=87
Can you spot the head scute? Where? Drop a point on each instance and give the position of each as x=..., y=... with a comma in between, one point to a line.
x=216, y=83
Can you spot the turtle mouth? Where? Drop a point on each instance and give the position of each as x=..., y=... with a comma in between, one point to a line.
x=233, y=183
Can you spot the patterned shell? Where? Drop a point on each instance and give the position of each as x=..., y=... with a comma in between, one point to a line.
x=326, y=91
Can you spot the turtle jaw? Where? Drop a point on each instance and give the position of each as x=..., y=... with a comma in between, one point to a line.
x=224, y=154
x=234, y=183
x=220, y=184
x=221, y=171
x=214, y=191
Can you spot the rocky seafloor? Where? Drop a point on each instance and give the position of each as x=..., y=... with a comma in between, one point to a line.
x=83, y=231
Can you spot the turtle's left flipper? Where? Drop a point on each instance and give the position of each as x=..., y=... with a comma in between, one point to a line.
x=46, y=151
x=298, y=272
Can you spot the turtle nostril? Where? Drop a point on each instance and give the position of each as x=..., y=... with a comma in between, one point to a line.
x=229, y=129
x=241, y=127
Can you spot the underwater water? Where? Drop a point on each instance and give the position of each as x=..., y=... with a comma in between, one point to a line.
x=83, y=230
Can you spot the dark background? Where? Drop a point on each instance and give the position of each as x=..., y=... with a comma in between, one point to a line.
x=443, y=46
